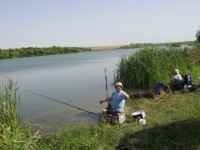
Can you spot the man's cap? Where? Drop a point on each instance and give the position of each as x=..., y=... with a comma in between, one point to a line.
x=118, y=84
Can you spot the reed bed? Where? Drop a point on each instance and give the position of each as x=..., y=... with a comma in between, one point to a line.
x=149, y=65
x=12, y=136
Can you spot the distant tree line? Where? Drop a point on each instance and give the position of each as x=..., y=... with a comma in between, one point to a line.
x=135, y=45
x=36, y=51
x=172, y=44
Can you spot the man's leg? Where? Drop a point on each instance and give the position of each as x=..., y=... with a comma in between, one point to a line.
x=105, y=114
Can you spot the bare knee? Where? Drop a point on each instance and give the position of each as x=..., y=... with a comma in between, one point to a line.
x=104, y=111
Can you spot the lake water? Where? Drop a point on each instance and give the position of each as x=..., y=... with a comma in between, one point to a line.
x=77, y=79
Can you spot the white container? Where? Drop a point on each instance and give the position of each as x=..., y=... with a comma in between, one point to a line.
x=119, y=117
x=142, y=121
x=139, y=114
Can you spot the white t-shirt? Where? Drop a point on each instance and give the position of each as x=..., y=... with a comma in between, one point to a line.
x=178, y=77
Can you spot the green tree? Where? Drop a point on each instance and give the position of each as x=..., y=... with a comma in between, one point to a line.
x=198, y=35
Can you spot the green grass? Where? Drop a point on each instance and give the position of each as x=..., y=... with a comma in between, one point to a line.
x=172, y=123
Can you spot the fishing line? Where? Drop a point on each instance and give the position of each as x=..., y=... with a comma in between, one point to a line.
x=96, y=114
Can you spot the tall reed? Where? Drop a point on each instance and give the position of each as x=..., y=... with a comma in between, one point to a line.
x=11, y=135
x=151, y=64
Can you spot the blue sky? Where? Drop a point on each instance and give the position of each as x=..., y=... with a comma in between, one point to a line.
x=45, y=23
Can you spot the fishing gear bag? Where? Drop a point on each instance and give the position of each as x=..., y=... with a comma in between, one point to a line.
x=188, y=86
x=159, y=87
x=187, y=80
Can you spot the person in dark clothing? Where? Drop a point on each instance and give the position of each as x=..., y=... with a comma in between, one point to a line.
x=176, y=83
x=155, y=91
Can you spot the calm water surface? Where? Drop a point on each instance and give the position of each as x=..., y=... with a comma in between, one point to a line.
x=77, y=79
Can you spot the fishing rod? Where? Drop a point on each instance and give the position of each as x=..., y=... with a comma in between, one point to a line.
x=96, y=114
x=105, y=72
x=109, y=105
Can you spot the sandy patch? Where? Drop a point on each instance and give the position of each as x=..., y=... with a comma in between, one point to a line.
x=98, y=48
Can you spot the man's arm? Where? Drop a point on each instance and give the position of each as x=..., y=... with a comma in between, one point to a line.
x=104, y=100
x=125, y=94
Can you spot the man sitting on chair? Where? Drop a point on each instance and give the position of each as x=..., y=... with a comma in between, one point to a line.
x=117, y=101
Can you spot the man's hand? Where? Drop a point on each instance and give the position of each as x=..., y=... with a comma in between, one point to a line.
x=125, y=94
x=101, y=101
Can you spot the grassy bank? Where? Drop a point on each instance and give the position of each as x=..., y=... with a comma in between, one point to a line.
x=172, y=123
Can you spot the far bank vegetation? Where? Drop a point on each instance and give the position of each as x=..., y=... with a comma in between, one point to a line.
x=54, y=50
x=36, y=51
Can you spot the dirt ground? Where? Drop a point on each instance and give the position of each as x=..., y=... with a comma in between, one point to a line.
x=98, y=48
